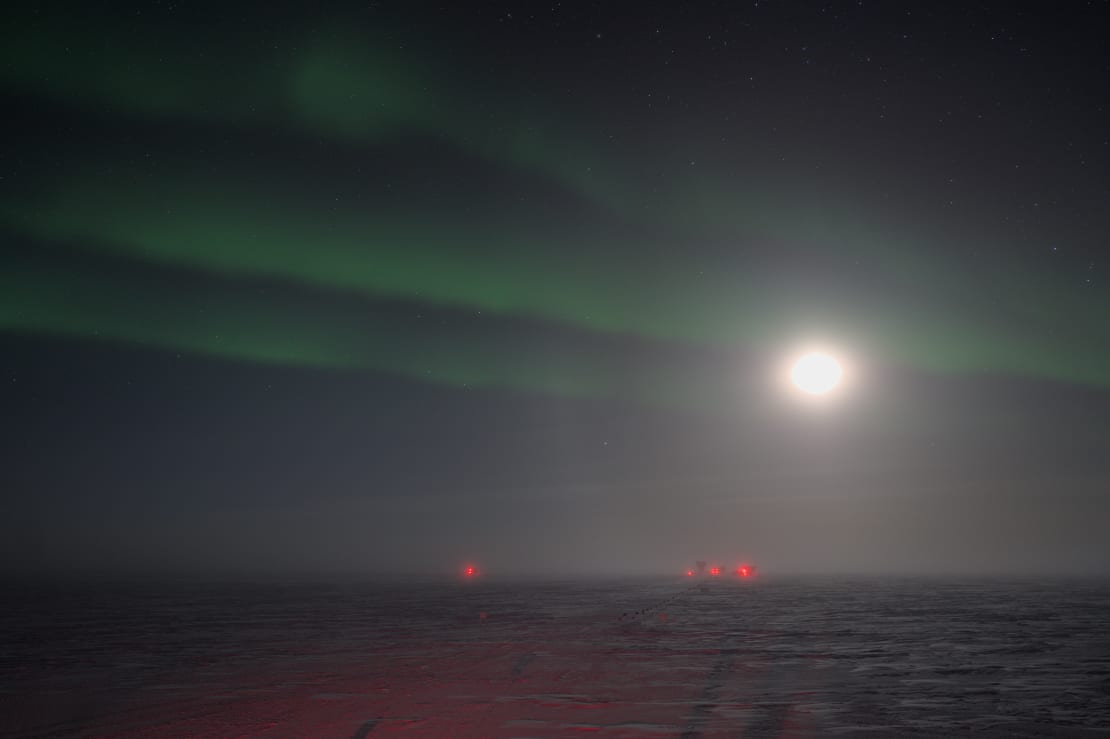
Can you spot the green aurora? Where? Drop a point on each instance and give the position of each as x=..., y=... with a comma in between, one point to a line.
x=625, y=264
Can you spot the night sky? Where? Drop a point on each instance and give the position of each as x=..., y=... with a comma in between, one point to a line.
x=393, y=286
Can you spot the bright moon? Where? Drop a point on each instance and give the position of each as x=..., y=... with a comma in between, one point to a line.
x=816, y=374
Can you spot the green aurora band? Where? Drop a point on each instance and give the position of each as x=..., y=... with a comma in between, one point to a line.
x=247, y=232
x=333, y=84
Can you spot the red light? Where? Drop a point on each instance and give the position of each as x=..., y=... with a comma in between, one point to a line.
x=470, y=571
x=744, y=572
x=689, y=573
x=714, y=571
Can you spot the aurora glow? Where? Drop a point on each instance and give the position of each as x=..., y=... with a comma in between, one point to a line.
x=245, y=226
x=948, y=316
x=238, y=229
x=554, y=261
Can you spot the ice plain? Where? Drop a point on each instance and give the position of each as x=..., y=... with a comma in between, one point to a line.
x=636, y=657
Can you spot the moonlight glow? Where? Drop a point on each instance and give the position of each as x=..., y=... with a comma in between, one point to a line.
x=816, y=374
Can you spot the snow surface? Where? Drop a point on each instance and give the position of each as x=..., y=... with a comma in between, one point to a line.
x=636, y=658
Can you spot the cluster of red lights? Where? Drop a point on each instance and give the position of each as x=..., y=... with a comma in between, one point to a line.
x=742, y=571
